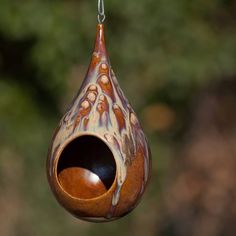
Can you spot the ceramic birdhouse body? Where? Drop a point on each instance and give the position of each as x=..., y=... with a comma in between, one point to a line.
x=99, y=160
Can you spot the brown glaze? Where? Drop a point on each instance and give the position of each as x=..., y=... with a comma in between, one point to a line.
x=99, y=160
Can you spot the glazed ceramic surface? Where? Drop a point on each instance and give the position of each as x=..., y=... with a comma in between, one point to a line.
x=99, y=160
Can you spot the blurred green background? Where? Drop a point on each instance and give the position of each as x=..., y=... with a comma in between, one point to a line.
x=175, y=61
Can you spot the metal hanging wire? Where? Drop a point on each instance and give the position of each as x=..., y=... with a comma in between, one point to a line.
x=101, y=12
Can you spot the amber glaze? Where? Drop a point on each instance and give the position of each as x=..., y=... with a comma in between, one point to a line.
x=99, y=161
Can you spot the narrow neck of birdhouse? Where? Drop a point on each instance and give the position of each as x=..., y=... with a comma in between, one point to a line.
x=100, y=46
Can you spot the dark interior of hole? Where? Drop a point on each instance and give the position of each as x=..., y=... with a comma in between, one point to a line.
x=88, y=153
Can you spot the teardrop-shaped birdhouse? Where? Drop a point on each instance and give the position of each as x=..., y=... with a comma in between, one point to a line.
x=99, y=160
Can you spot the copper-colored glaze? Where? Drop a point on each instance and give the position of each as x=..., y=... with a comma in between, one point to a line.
x=99, y=161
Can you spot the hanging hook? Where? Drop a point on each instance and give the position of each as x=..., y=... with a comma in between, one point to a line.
x=101, y=12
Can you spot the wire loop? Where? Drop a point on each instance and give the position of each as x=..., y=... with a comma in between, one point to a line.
x=101, y=12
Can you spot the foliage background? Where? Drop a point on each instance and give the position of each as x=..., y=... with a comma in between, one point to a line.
x=175, y=61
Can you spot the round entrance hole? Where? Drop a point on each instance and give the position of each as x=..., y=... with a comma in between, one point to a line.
x=86, y=168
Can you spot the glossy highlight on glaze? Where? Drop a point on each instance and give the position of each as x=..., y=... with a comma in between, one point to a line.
x=121, y=157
